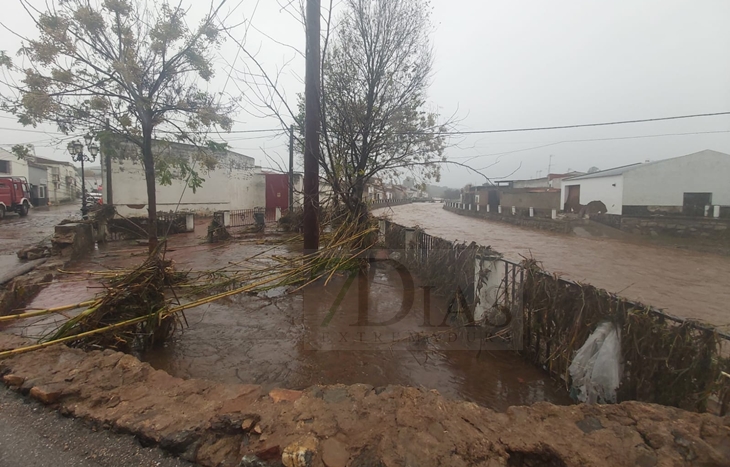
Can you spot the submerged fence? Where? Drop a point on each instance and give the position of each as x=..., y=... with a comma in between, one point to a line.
x=666, y=359
x=168, y=223
x=247, y=217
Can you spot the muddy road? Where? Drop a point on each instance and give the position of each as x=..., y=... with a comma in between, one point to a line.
x=17, y=232
x=682, y=282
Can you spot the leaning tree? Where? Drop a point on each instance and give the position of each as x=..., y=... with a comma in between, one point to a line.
x=127, y=68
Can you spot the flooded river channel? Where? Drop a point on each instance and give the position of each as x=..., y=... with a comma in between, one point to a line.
x=317, y=336
x=683, y=282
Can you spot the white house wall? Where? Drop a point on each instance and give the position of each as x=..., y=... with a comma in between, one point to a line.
x=224, y=188
x=18, y=167
x=609, y=190
x=663, y=183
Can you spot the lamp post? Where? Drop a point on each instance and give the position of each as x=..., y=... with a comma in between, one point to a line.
x=76, y=149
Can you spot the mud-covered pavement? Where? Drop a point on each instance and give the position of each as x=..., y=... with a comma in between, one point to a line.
x=18, y=232
x=685, y=283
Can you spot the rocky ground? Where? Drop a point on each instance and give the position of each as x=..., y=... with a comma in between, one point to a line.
x=336, y=426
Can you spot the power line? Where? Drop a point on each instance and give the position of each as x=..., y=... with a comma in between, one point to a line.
x=589, y=140
x=562, y=127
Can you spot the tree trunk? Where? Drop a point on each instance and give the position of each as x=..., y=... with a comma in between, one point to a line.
x=149, y=174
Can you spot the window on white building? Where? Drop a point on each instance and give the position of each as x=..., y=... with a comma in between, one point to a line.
x=42, y=191
x=5, y=167
x=476, y=199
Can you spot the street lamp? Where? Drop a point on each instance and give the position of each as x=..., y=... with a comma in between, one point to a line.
x=76, y=150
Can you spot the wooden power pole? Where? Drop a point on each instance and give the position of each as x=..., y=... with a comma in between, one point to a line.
x=310, y=223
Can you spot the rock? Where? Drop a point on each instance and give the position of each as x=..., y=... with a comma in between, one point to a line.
x=334, y=453
x=13, y=380
x=247, y=424
x=300, y=453
x=252, y=461
x=269, y=453
x=589, y=424
x=45, y=394
x=335, y=395
x=257, y=429
x=288, y=395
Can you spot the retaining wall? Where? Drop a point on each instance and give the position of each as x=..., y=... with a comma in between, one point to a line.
x=695, y=227
x=553, y=225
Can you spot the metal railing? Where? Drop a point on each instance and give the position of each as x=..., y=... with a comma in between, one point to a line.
x=246, y=217
x=552, y=329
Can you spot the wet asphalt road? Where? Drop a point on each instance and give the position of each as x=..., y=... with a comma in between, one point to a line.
x=17, y=232
x=33, y=436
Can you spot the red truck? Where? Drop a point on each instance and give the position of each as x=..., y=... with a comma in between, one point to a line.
x=14, y=195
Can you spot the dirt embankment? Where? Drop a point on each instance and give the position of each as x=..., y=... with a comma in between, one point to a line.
x=358, y=425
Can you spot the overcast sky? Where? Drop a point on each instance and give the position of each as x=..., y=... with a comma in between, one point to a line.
x=509, y=64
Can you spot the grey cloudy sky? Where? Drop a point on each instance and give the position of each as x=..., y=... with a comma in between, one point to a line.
x=511, y=64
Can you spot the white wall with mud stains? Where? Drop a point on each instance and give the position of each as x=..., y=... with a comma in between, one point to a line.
x=609, y=190
x=232, y=184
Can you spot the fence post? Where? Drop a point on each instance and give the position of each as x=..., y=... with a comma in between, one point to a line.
x=488, y=278
x=555, y=214
x=381, y=231
x=707, y=211
x=514, y=210
x=277, y=215
x=190, y=222
x=226, y=218
x=499, y=209
x=532, y=212
x=477, y=208
x=716, y=211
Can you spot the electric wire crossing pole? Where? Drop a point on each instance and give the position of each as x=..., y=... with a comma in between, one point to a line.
x=310, y=227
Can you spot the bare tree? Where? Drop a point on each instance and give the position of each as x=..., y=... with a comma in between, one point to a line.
x=375, y=75
x=121, y=66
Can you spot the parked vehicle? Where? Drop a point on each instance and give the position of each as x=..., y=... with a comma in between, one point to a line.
x=14, y=196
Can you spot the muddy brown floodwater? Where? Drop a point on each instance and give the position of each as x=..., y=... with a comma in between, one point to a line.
x=682, y=282
x=311, y=337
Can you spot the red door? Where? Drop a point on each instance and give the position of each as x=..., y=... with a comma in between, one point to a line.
x=277, y=191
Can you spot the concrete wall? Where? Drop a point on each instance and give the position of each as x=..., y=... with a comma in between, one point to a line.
x=663, y=183
x=698, y=227
x=18, y=168
x=562, y=226
x=232, y=184
x=544, y=200
x=609, y=190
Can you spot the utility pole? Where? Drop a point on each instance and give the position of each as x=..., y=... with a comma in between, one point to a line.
x=550, y=163
x=310, y=223
x=291, y=168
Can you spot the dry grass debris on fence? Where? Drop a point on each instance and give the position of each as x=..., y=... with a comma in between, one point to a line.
x=666, y=360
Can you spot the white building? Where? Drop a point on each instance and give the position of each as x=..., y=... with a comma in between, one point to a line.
x=230, y=184
x=10, y=165
x=64, y=182
x=683, y=184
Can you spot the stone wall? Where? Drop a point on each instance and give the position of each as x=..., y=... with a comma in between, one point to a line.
x=553, y=225
x=695, y=227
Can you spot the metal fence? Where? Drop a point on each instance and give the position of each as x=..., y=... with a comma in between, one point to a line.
x=246, y=217
x=667, y=359
x=168, y=223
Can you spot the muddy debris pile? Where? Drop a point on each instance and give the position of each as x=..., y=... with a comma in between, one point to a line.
x=356, y=426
